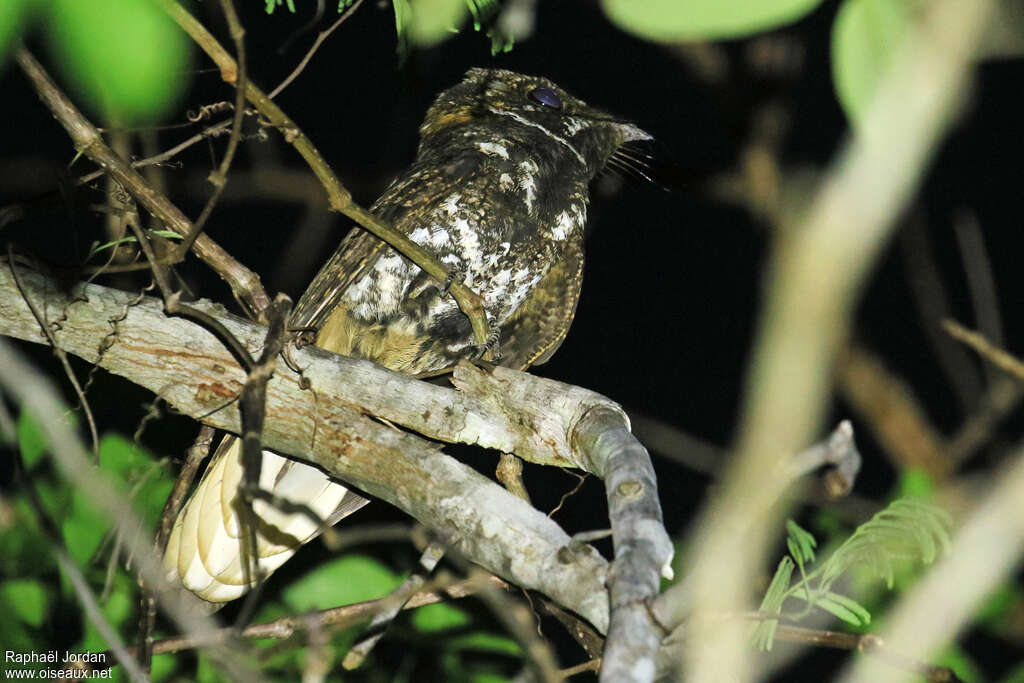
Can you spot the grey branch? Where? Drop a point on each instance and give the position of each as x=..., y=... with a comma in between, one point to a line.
x=327, y=424
x=643, y=550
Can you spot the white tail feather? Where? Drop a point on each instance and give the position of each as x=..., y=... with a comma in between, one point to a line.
x=205, y=547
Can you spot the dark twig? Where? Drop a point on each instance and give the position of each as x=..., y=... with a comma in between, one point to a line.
x=589, y=639
x=980, y=283
x=252, y=405
x=58, y=352
x=869, y=644
x=324, y=35
x=338, y=197
x=1000, y=358
x=219, y=178
x=147, y=608
x=244, y=283
x=518, y=620
x=412, y=585
x=591, y=665
x=337, y=618
x=888, y=405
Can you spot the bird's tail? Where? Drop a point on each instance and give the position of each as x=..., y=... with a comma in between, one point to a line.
x=206, y=545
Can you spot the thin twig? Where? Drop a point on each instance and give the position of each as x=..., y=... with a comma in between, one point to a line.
x=337, y=618
x=219, y=178
x=34, y=394
x=339, y=198
x=324, y=35
x=252, y=405
x=74, y=574
x=375, y=630
x=244, y=283
x=1000, y=358
x=58, y=352
x=893, y=412
x=978, y=269
x=147, y=608
x=867, y=643
x=591, y=665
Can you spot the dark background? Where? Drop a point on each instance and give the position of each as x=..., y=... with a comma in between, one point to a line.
x=672, y=282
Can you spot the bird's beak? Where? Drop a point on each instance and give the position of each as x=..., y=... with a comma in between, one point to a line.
x=631, y=133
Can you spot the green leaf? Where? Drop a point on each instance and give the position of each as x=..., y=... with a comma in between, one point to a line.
x=119, y=609
x=671, y=21
x=271, y=4
x=126, y=58
x=865, y=36
x=486, y=642
x=26, y=599
x=764, y=632
x=435, y=20
x=438, y=617
x=847, y=609
x=84, y=528
x=163, y=667
x=129, y=239
x=30, y=440
x=801, y=543
x=915, y=482
x=13, y=17
x=349, y=579
x=908, y=529
x=961, y=662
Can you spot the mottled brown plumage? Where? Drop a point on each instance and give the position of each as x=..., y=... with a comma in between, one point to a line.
x=498, y=194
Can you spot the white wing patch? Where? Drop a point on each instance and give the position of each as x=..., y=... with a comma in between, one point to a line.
x=528, y=181
x=493, y=149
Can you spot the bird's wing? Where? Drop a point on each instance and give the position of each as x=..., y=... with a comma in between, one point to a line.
x=538, y=326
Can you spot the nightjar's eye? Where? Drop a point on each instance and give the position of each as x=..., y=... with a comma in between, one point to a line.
x=546, y=96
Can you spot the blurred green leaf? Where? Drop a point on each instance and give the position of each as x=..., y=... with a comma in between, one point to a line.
x=119, y=609
x=30, y=440
x=125, y=57
x=349, y=579
x=1015, y=676
x=13, y=16
x=434, y=20
x=206, y=672
x=847, y=609
x=671, y=21
x=1004, y=601
x=486, y=677
x=865, y=36
x=123, y=458
x=26, y=599
x=486, y=642
x=957, y=659
x=915, y=483
x=438, y=617
x=764, y=632
x=83, y=529
x=163, y=667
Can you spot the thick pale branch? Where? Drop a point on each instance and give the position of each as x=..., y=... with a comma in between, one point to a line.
x=643, y=550
x=327, y=425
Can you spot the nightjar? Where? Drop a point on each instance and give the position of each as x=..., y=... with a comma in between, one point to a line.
x=498, y=193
